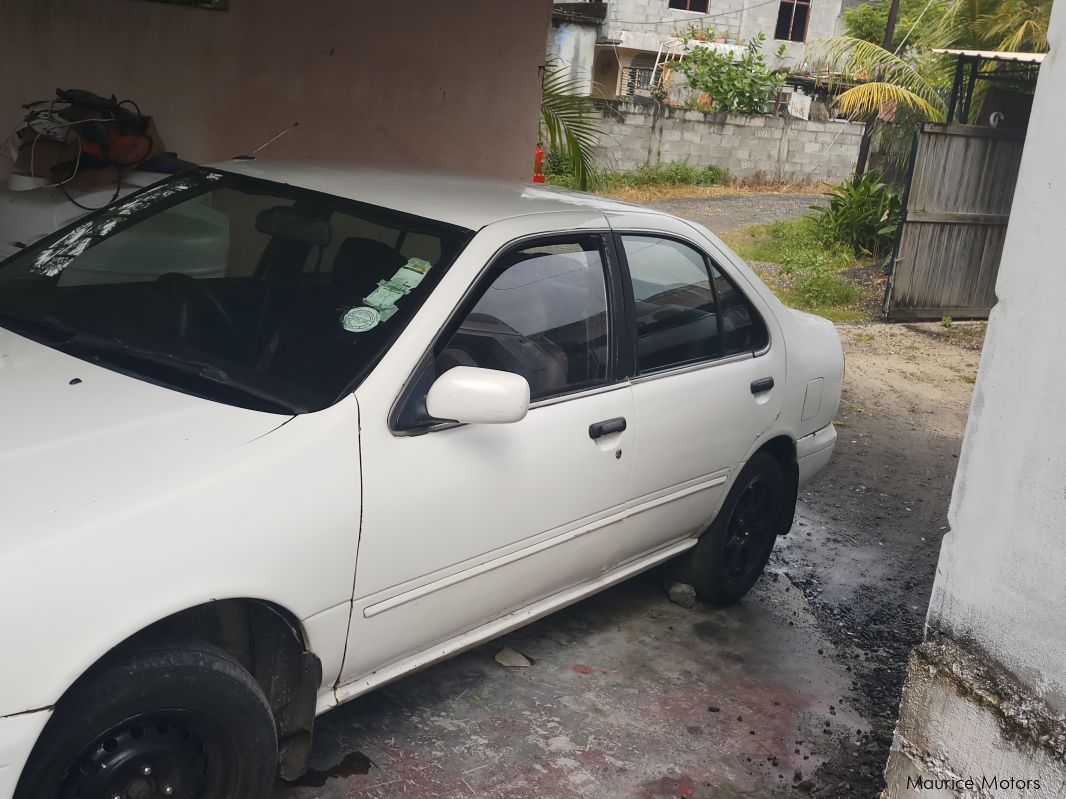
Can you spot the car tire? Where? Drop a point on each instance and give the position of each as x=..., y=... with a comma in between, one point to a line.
x=732, y=552
x=177, y=718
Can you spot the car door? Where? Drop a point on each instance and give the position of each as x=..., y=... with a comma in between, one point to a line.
x=707, y=371
x=463, y=524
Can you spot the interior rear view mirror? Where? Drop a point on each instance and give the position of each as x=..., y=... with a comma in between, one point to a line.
x=283, y=222
x=471, y=395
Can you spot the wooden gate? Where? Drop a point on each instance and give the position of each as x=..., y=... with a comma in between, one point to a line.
x=955, y=213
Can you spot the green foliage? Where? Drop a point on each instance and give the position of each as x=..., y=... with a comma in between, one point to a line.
x=862, y=215
x=559, y=171
x=569, y=121
x=915, y=25
x=1012, y=25
x=910, y=76
x=876, y=77
x=745, y=86
x=819, y=287
x=946, y=321
x=798, y=247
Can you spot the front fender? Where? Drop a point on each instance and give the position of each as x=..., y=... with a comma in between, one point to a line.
x=276, y=519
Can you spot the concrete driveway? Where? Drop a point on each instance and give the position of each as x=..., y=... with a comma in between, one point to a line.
x=794, y=691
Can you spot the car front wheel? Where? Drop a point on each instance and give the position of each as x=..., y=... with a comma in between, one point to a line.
x=733, y=551
x=168, y=719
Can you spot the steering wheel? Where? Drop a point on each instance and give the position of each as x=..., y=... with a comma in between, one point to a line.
x=189, y=291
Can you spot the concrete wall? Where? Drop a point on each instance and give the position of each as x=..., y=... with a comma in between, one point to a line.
x=644, y=24
x=452, y=83
x=999, y=596
x=573, y=45
x=784, y=148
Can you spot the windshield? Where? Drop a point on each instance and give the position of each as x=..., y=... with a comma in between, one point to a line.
x=232, y=288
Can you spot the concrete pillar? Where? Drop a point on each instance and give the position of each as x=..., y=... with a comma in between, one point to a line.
x=984, y=703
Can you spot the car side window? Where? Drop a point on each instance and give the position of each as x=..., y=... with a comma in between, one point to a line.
x=676, y=312
x=544, y=316
x=742, y=329
x=686, y=310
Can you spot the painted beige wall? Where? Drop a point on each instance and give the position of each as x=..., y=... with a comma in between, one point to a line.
x=441, y=83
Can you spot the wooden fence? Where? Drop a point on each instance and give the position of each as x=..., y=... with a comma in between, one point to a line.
x=955, y=214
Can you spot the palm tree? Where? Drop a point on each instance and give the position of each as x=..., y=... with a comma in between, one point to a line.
x=877, y=77
x=1010, y=25
x=569, y=120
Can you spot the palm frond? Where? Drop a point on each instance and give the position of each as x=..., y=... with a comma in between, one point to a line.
x=868, y=98
x=569, y=120
x=874, y=76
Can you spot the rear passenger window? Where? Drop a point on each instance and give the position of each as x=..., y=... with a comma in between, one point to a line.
x=543, y=317
x=676, y=314
x=743, y=330
x=686, y=310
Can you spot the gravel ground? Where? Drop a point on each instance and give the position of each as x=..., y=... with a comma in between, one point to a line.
x=867, y=538
x=723, y=214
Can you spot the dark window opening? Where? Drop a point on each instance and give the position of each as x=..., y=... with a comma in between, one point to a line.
x=792, y=19
x=544, y=317
x=686, y=310
x=690, y=5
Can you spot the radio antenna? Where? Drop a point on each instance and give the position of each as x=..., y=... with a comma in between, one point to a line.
x=265, y=144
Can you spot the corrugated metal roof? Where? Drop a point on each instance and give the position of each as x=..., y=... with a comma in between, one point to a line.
x=994, y=55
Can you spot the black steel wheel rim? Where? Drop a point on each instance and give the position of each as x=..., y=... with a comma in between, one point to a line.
x=747, y=533
x=167, y=754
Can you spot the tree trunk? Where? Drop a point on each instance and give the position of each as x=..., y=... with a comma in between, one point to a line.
x=868, y=130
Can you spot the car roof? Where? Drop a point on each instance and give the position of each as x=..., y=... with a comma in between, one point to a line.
x=469, y=202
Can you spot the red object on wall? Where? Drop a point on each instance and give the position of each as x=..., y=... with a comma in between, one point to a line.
x=538, y=165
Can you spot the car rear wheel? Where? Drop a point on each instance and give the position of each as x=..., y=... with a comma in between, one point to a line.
x=170, y=719
x=733, y=551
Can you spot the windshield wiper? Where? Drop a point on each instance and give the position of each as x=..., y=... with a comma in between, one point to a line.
x=89, y=344
x=36, y=326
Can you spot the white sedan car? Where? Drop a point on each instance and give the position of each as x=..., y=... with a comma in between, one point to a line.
x=273, y=435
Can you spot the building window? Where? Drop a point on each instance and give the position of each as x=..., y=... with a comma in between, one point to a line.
x=792, y=18
x=690, y=5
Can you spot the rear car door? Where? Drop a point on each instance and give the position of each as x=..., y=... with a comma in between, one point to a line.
x=707, y=372
x=463, y=524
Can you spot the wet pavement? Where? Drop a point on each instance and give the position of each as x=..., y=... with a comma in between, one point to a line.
x=627, y=695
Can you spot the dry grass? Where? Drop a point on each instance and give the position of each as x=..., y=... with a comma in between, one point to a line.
x=652, y=193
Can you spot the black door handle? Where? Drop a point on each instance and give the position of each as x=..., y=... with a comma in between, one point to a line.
x=598, y=429
x=761, y=385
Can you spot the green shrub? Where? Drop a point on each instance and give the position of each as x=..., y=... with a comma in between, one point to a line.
x=745, y=86
x=819, y=287
x=796, y=245
x=863, y=215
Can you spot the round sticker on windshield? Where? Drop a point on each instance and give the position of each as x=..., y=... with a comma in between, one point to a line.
x=360, y=320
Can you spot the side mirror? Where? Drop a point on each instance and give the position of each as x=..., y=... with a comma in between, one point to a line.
x=470, y=395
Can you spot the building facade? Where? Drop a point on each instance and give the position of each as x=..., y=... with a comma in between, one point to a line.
x=634, y=32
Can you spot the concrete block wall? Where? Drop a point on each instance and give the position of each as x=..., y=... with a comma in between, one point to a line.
x=781, y=148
